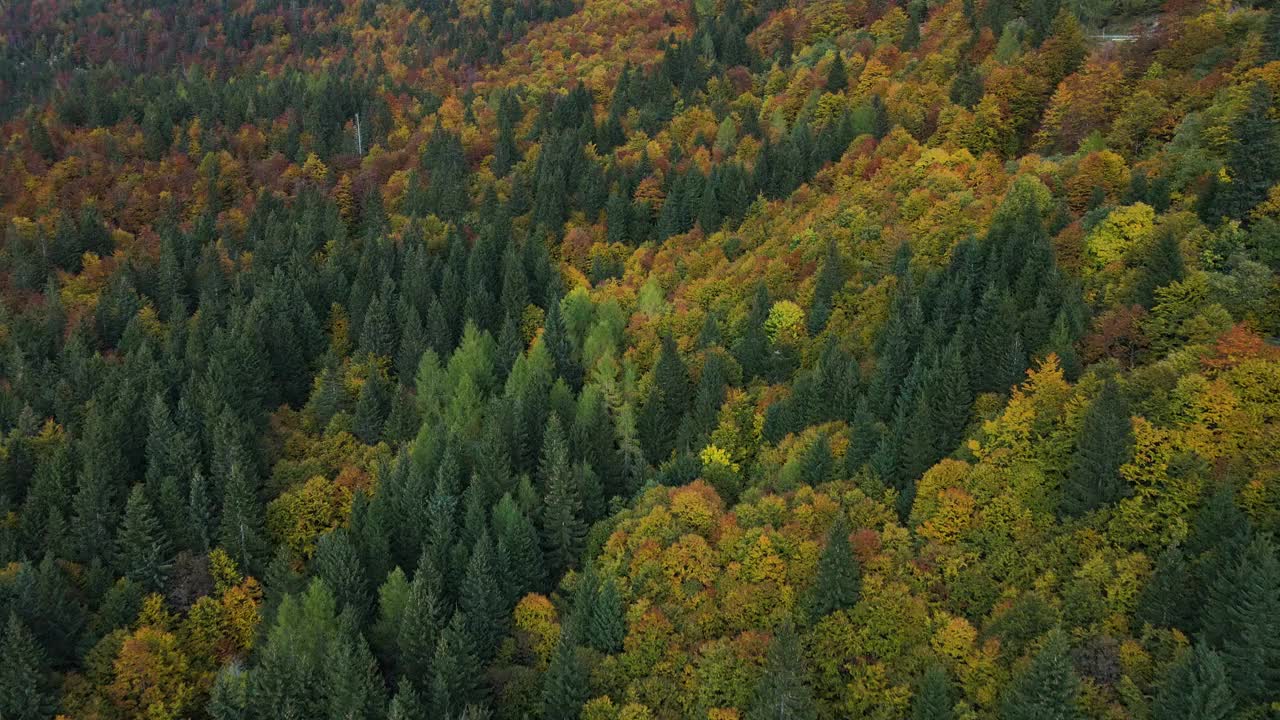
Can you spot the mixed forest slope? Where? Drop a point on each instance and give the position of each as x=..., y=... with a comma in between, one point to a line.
x=640, y=360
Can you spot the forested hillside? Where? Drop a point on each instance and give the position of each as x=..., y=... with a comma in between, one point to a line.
x=640, y=359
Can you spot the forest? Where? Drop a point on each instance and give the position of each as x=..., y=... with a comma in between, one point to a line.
x=640, y=359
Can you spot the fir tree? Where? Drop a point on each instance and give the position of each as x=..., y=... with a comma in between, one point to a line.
x=564, y=687
x=456, y=670
x=562, y=526
x=407, y=703
x=607, y=627
x=338, y=563
x=1163, y=266
x=229, y=697
x=837, y=76
x=419, y=630
x=24, y=689
x=199, y=514
x=518, y=548
x=782, y=692
x=1047, y=689
x=1195, y=688
x=830, y=279
x=839, y=580
x=142, y=552
x=241, y=530
x=1271, y=36
x=933, y=699
x=1242, y=618
x=1253, y=157
x=480, y=598
x=1105, y=443
x=352, y=681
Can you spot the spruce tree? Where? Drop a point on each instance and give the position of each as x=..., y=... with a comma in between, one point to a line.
x=24, y=689
x=229, y=697
x=607, y=627
x=1242, y=618
x=562, y=526
x=1163, y=266
x=419, y=629
x=837, y=75
x=1271, y=36
x=1047, y=689
x=1105, y=443
x=518, y=547
x=933, y=698
x=142, y=552
x=241, y=530
x=481, y=599
x=839, y=580
x=456, y=671
x=782, y=692
x=1253, y=159
x=1195, y=688
x=407, y=703
x=564, y=686
x=352, y=682
x=337, y=562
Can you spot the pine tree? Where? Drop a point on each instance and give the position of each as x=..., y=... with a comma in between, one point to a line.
x=1242, y=618
x=24, y=689
x=933, y=699
x=564, y=687
x=782, y=692
x=839, y=580
x=1105, y=443
x=1047, y=688
x=142, y=552
x=1195, y=688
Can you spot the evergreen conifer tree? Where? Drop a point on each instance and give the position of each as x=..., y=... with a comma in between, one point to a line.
x=782, y=692
x=1105, y=443
x=932, y=700
x=839, y=579
x=564, y=687
x=1242, y=618
x=607, y=627
x=1195, y=688
x=24, y=689
x=142, y=551
x=241, y=530
x=1047, y=689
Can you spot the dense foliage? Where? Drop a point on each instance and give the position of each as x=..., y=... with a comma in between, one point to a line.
x=640, y=360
